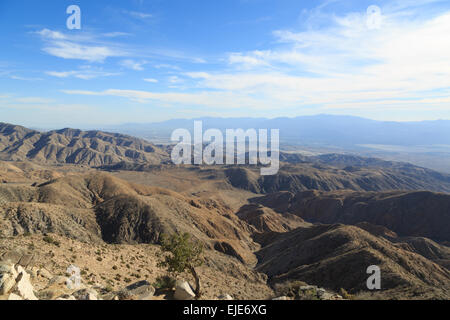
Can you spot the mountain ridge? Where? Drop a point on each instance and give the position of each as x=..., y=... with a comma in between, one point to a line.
x=75, y=146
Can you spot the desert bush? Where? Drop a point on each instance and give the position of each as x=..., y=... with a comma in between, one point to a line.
x=182, y=254
x=164, y=283
x=288, y=288
x=344, y=294
x=50, y=240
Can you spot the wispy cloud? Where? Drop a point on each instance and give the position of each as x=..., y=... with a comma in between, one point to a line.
x=151, y=80
x=133, y=65
x=85, y=74
x=14, y=77
x=139, y=15
x=204, y=98
x=84, y=47
x=347, y=64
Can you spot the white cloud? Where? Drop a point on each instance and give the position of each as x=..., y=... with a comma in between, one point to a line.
x=150, y=80
x=174, y=79
x=24, y=78
x=82, y=47
x=347, y=65
x=116, y=34
x=33, y=100
x=255, y=59
x=133, y=65
x=219, y=100
x=139, y=15
x=85, y=74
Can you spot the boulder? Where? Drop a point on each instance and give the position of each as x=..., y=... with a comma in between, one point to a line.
x=8, y=275
x=225, y=297
x=14, y=296
x=56, y=287
x=321, y=292
x=183, y=291
x=141, y=290
x=23, y=286
x=86, y=294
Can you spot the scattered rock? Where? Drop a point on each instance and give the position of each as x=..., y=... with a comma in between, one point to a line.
x=110, y=296
x=66, y=297
x=61, y=280
x=183, y=291
x=281, y=298
x=86, y=294
x=225, y=297
x=141, y=290
x=45, y=273
x=321, y=292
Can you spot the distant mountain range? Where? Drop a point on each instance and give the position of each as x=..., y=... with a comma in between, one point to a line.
x=425, y=143
x=322, y=129
x=93, y=148
x=114, y=151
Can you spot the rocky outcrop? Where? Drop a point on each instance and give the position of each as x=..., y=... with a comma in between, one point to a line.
x=337, y=256
x=416, y=213
x=183, y=291
x=141, y=290
x=266, y=220
x=15, y=283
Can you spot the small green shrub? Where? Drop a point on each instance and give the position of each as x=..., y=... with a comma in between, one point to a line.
x=164, y=283
x=288, y=288
x=50, y=240
x=346, y=295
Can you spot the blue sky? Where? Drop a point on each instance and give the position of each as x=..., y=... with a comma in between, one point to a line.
x=149, y=60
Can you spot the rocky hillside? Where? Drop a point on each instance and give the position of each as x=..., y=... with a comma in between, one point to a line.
x=337, y=256
x=310, y=176
x=419, y=214
x=97, y=207
x=82, y=211
x=92, y=148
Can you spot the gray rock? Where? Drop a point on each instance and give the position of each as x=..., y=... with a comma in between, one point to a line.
x=321, y=292
x=183, y=291
x=307, y=288
x=86, y=294
x=281, y=298
x=225, y=297
x=141, y=290
x=8, y=276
